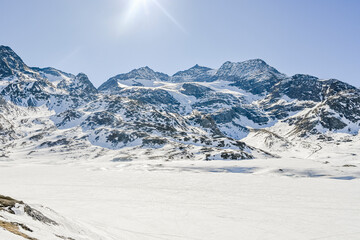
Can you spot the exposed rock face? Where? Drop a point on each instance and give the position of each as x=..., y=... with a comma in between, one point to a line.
x=194, y=74
x=11, y=205
x=246, y=68
x=37, y=222
x=254, y=76
x=80, y=86
x=28, y=93
x=195, y=90
x=52, y=74
x=10, y=63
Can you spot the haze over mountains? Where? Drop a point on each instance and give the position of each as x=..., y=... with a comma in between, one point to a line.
x=199, y=113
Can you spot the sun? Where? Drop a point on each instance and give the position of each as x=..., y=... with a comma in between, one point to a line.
x=138, y=8
x=142, y=2
x=135, y=7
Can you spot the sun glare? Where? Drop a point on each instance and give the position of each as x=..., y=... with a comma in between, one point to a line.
x=139, y=8
x=133, y=9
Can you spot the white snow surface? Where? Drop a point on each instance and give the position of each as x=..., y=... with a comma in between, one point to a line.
x=281, y=198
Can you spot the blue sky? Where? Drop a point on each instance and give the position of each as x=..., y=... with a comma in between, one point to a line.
x=105, y=37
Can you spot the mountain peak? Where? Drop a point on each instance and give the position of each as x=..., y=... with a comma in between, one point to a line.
x=196, y=73
x=198, y=67
x=7, y=52
x=143, y=72
x=132, y=78
x=146, y=68
x=82, y=76
x=10, y=62
x=5, y=48
x=80, y=85
x=240, y=69
x=256, y=61
x=251, y=62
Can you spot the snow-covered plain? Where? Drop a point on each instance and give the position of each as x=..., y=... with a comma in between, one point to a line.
x=251, y=199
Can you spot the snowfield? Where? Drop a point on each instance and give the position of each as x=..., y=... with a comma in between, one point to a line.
x=198, y=200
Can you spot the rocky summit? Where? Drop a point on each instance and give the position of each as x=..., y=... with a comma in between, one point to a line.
x=196, y=114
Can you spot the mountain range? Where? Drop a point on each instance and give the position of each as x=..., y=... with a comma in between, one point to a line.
x=242, y=110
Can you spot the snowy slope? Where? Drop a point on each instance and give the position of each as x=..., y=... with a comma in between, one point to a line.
x=19, y=220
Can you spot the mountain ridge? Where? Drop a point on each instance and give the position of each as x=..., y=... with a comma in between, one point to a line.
x=199, y=113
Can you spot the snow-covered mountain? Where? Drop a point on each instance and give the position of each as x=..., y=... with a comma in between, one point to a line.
x=199, y=113
x=195, y=74
x=138, y=77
